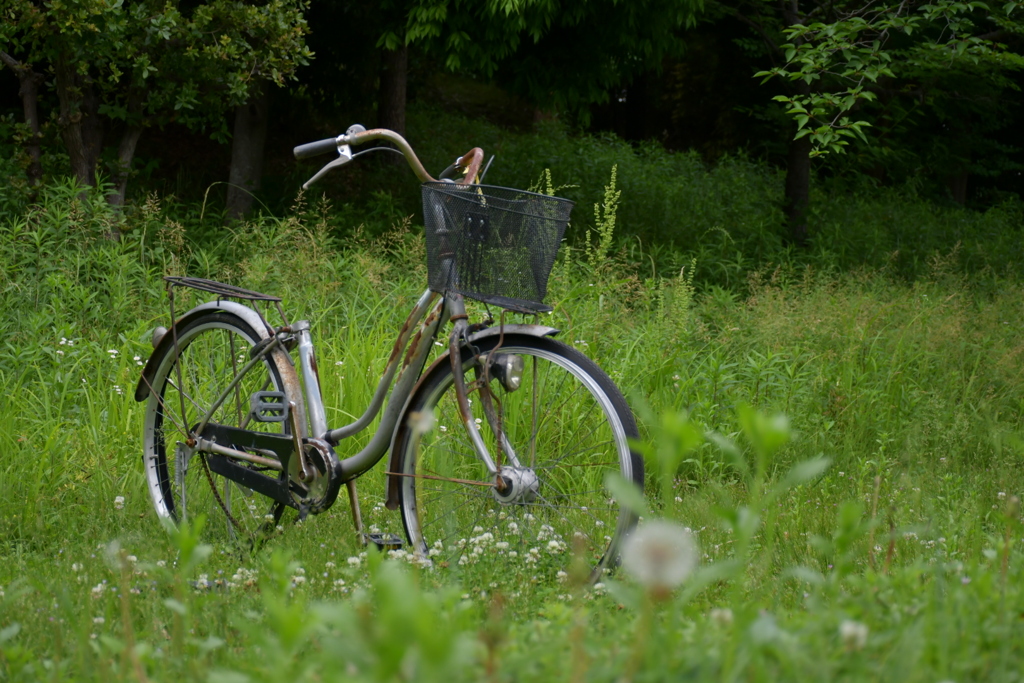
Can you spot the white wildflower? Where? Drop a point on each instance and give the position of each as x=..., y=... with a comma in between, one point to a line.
x=660, y=555
x=421, y=422
x=853, y=634
x=721, y=616
x=119, y=503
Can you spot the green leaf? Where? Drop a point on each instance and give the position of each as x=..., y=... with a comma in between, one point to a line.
x=805, y=574
x=9, y=632
x=805, y=471
x=626, y=492
x=225, y=676
x=175, y=606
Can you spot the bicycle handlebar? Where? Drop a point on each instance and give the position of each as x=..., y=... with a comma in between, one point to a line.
x=315, y=149
x=471, y=160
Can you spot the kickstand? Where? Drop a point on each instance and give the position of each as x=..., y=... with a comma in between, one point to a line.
x=357, y=517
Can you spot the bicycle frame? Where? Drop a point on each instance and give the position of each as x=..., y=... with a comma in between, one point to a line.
x=407, y=360
x=428, y=317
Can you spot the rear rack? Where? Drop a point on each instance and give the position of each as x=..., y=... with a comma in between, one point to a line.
x=224, y=291
x=220, y=289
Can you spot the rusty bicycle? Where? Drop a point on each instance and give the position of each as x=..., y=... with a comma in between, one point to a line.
x=508, y=434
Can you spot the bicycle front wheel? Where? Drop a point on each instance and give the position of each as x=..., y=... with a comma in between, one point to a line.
x=188, y=380
x=566, y=426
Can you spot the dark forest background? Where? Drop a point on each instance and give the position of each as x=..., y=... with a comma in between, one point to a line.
x=203, y=101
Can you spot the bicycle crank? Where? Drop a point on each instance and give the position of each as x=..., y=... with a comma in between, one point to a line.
x=322, y=489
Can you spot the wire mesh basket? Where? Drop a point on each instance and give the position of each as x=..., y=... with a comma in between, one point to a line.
x=493, y=244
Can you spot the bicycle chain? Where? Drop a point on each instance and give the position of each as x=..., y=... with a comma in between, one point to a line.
x=216, y=494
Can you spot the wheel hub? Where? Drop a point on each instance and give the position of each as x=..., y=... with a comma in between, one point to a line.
x=516, y=485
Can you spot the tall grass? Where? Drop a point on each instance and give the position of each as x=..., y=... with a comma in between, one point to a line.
x=727, y=215
x=900, y=560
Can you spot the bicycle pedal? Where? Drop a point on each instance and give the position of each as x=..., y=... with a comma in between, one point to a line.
x=385, y=541
x=269, y=406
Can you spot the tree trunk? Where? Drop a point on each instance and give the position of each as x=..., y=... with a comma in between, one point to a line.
x=78, y=126
x=92, y=125
x=247, y=142
x=29, y=82
x=125, y=154
x=798, y=188
x=126, y=150
x=394, y=67
x=958, y=187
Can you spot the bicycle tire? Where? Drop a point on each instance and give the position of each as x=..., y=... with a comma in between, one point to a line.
x=208, y=348
x=570, y=432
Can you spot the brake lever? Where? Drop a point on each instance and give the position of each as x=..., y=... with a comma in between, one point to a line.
x=345, y=153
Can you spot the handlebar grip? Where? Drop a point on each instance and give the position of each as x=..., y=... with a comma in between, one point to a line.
x=315, y=149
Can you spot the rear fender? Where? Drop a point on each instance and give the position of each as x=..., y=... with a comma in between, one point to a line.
x=244, y=312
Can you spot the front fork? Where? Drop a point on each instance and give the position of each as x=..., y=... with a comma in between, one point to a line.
x=458, y=336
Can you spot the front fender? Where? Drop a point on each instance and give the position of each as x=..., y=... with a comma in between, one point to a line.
x=244, y=312
x=391, y=499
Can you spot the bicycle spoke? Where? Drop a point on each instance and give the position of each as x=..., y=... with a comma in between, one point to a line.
x=566, y=437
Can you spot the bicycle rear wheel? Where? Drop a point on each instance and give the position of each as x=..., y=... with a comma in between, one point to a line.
x=567, y=425
x=210, y=350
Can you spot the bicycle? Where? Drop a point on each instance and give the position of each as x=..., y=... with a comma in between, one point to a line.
x=508, y=432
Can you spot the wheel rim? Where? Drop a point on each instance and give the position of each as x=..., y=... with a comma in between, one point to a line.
x=178, y=480
x=567, y=435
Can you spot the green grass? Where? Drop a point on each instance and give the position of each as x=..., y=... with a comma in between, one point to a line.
x=910, y=391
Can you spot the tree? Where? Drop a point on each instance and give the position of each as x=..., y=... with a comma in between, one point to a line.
x=833, y=58
x=563, y=55
x=29, y=81
x=131, y=66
